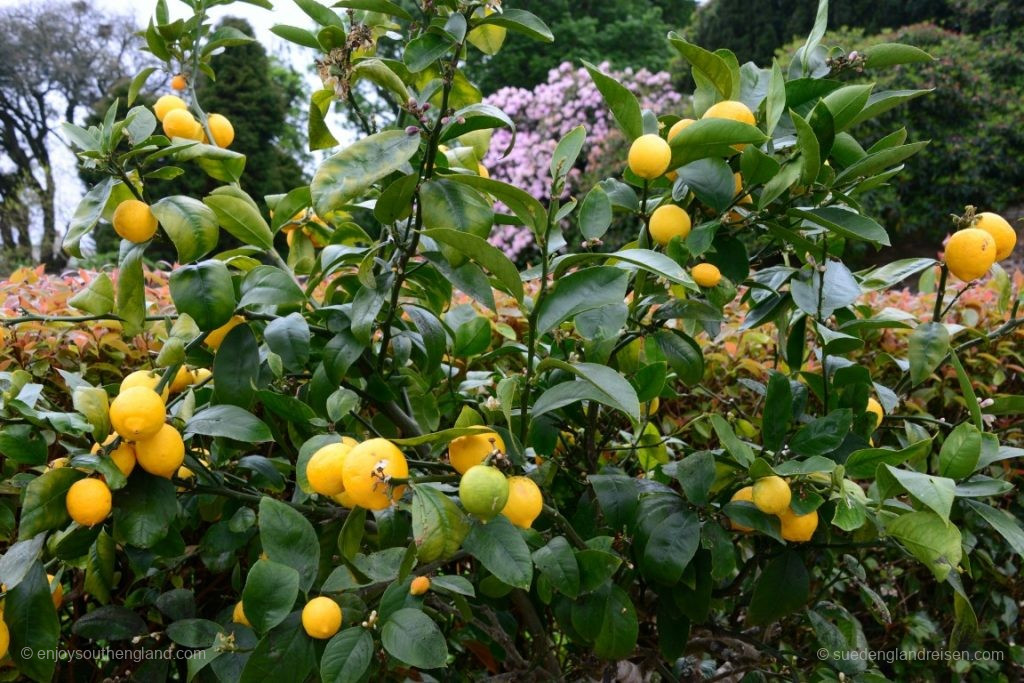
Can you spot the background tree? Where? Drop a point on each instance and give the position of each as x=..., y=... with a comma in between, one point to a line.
x=56, y=57
x=621, y=33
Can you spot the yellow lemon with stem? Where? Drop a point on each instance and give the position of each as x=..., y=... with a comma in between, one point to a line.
x=321, y=618
x=223, y=131
x=123, y=456
x=669, y=221
x=144, y=378
x=524, y=503
x=649, y=156
x=183, y=379
x=1001, y=231
x=771, y=495
x=970, y=253
x=367, y=472
x=137, y=413
x=323, y=471
x=88, y=501
x=466, y=451
x=134, y=221
x=163, y=453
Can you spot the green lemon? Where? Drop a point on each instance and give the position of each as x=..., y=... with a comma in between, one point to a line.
x=483, y=491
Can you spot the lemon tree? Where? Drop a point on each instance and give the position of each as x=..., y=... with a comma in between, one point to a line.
x=386, y=453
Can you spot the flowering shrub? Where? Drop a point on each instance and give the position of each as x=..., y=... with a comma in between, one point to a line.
x=549, y=112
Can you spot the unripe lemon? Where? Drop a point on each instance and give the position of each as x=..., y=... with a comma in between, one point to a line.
x=706, y=274
x=798, y=528
x=366, y=472
x=483, y=491
x=238, y=615
x=216, y=337
x=678, y=127
x=970, y=253
x=669, y=221
x=56, y=591
x=323, y=471
x=744, y=494
x=179, y=123
x=771, y=495
x=162, y=454
x=5, y=638
x=419, y=585
x=649, y=156
x=178, y=82
x=470, y=450
x=88, y=501
x=123, y=456
x=876, y=408
x=134, y=221
x=321, y=617
x=525, y=502
x=183, y=379
x=144, y=378
x=1002, y=232
x=167, y=104
x=223, y=131
x=137, y=413
x=731, y=109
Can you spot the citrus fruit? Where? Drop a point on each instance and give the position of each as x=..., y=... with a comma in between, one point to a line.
x=179, y=123
x=419, y=585
x=653, y=405
x=223, y=131
x=88, y=501
x=183, y=379
x=166, y=104
x=796, y=527
x=876, y=408
x=731, y=109
x=144, y=378
x=161, y=454
x=482, y=171
x=178, y=82
x=483, y=491
x=137, y=413
x=5, y=638
x=525, y=502
x=238, y=615
x=744, y=494
x=706, y=274
x=649, y=156
x=323, y=471
x=678, y=127
x=970, y=253
x=57, y=463
x=123, y=456
x=201, y=375
x=216, y=337
x=366, y=472
x=738, y=184
x=321, y=617
x=56, y=591
x=466, y=451
x=344, y=499
x=134, y=221
x=771, y=495
x=669, y=221
x=1002, y=232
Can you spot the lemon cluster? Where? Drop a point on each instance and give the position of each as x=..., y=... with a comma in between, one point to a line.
x=972, y=251
x=772, y=496
x=179, y=122
x=484, y=490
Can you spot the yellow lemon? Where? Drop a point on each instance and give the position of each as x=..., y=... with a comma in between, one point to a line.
x=344, y=499
x=483, y=490
x=178, y=82
x=223, y=131
x=57, y=463
x=419, y=585
x=798, y=528
x=123, y=456
x=876, y=408
x=216, y=337
x=134, y=221
x=182, y=380
x=744, y=494
x=5, y=638
x=179, y=123
x=1002, y=232
x=738, y=183
x=162, y=454
x=238, y=615
x=678, y=127
x=466, y=451
x=144, y=378
x=200, y=375
x=649, y=156
x=321, y=617
x=88, y=501
x=525, y=502
x=669, y=221
x=166, y=104
x=706, y=274
x=56, y=591
x=323, y=471
x=367, y=470
x=771, y=495
x=970, y=253
x=137, y=413
x=482, y=171
x=731, y=109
